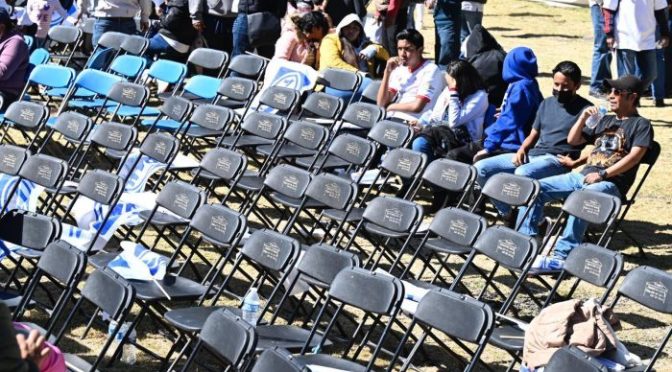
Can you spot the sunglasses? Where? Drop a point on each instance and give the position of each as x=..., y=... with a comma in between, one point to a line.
x=619, y=92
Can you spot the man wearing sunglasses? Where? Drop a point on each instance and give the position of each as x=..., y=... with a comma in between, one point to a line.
x=620, y=141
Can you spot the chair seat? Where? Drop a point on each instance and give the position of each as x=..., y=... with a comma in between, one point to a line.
x=508, y=337
x=285, y=336
x=329, y=361
x=247, y=141
x=101, y=259
x=231, y=103
x=289, y=150
x=379, y=230
x=200, y=132
x=12, y=299
x=29, y=253
x=250, y=182
x=205, y=174
x=162, y=218
x=332, y=162
x=130, y=111
x=338, y=215
x=295, y=203
x=76, y=364
x=169, y=125
x=182, y=290
x=61, y=92
x=191, y=319
x=444, y=246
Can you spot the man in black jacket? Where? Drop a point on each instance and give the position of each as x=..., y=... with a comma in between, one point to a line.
x=242, y=28
x=338, y=9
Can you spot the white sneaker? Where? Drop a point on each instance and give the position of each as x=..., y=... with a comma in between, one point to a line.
x=546, y=264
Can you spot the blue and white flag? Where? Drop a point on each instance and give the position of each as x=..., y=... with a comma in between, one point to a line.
x=136, y=262
x=287, y=74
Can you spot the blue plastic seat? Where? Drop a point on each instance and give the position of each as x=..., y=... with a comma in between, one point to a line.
x=96, y=81
x=99, y=61
x=128, y=66
x=38, y=56
x=201, y=87
x=50, y=76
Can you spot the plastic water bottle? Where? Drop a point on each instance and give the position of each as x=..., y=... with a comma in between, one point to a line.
x=251, y=308
x=602, y=110
x=129, y=352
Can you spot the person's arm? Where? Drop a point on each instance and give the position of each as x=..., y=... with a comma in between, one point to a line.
x=196, y=8
x=11, y=58
x=18, y=354
x=385, y=92
x=515, y=114
x=459, y=113
x=520, y=157
x=628, y=162
x=284, y=46
x=330, y=56
x=576, y=133
x=570, y=163
x=415, y=106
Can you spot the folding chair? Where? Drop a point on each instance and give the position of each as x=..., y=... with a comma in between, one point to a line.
x=134, y=45
x=107, y=49
x=510, y=189
x=69, y=38
x=404, y=163
x=469, y=321
x=370, y=94
x=229, y=338
x=70, y=127
x=207, y=122
x=447, y=176
x=322, y=109
x=211, y=60
x=63, y=266
x=220, y=166
x=95, y=81
x=360, y=117
x=571, y=358
x=391, y=134
x=347, y=151
x=300, y=139
x=110, y=293
x=26, y=117
x=236, y=93
x=37, y=57
x=278, y=100
x=277, y=360
x=128, y=66
x=648, y=287
x=112, y=142
x=173, y=114
x=377, y=296
x=649, y=160
x=248, y=66
x=258, y=128
x=342, y=80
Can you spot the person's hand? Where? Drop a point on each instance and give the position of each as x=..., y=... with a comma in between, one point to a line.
x=144, y=26
x=480, y=154
x=592, y=178
x=158, y=10
x=589, y=111
x=452, y=84
x=610, y=42
x=33, y=347
x=198, y=25
x=566, y=161
x=664, y=42
x=519, y=158
x=392, y=63
x=367, y=53
x=415, y=126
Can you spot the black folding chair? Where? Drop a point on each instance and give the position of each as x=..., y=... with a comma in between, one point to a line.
x=510, y=189
x=572, y=359
x=300, y=139
x=342, y=80
x=135, y=45
x=649, y=287
x=125, y=95
x=206, y=123
x=63, y=42
x=172, y=117
x=278, y=360
x=469, y=321
x=26, y=117
x=347, y=151
x=445, y=178
x=321, y=108
x=212, y=61
x=229, y=338
x=359, y=117
x=249, y=66
x=279, y=100
x=70, y=127
x=258, y=128
x=391, y=134
x=236, y=93
x=370, y=94
x=110, y=142
x=220, y=166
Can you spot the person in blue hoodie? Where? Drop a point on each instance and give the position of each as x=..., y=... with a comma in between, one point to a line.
x=519, y=108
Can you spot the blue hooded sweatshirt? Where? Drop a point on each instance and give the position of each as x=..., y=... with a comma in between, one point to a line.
x=520, y=104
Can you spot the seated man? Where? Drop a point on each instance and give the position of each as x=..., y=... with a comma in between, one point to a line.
x=620, y=140
x=545, y=152
x=415, y=81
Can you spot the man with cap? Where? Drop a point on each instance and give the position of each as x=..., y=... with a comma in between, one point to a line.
x=621, y=141
x=13, y=61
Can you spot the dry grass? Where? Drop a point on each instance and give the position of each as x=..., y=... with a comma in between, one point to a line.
x=555, y=34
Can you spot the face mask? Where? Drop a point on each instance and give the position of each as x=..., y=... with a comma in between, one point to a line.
x=563, y=96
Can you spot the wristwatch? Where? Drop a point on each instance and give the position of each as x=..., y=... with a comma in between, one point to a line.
x=603, y=174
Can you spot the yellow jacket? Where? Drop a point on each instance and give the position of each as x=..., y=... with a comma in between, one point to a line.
x=331, y=55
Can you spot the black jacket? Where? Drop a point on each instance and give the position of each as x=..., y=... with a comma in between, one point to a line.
x=176, y=22
x=487, y=56
x=277, y=7
x=338, y=9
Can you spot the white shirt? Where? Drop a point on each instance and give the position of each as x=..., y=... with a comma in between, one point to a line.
x=469, y=114
x=424, y=82
x=118, y=8
x=635, y=23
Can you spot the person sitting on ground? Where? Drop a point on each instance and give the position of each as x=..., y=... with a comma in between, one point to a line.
x=519, y=108
x=413, y=80
x=545, y=152
x=621, y=141
x=13, y=61
x=349, y=49
x=302, y=45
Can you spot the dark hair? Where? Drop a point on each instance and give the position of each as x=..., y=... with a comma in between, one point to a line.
x=570, y=70
x=413, y=36
x=467, y=78
x=311, y=20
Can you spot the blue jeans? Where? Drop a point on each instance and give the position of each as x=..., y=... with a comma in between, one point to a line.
x=537, y=167
x=601, y=67
x=558, y=188
x=103, y=25
x=158, y=46
x=422, y=145
x=447, y=22
x=641, y=64
x=241, y=42
x=469, y=21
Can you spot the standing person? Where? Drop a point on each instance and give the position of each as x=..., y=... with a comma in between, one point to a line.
x=472, y=15
x=447, y=24
x=601, y=65
x=241, y=31
x=13, y=61
x=487, y=56
x=658, y=85
x=630, y=27
x=338, y=9
x=214, y=18
x=117, y=15
x=40, y=13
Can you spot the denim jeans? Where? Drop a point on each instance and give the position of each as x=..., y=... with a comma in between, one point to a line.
x=103, y=25
x=218, y=32
x=537, y=167
x=641, y=64
x=469, y=21
x=658, y=86
x=158, y=46
x=422, y=145
x=601, y=67
x=447, y=22
x=558, y=188
x=241, y=41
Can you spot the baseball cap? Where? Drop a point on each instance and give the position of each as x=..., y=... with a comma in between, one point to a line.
x=627, y=83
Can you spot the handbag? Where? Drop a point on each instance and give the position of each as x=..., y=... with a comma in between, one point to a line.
x=263, y=28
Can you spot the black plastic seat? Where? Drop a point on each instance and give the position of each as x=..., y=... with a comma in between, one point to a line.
x=162, y=218
x=329, y=361
x=445, y=246
x=508, y=338
x=295, y=202
x=182, y=289
x=191, y=319
x=335, y=214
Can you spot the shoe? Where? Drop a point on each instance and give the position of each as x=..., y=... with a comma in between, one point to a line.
x=660, y=103
x=546, y=264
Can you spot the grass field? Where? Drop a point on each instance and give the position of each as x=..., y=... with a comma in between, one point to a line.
x=555, y=34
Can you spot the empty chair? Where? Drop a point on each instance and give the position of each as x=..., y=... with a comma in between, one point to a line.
x=211, y=60
x=370, y=94
x=341, y=83
x=173, y=114
x=360, y=116
x=277, y=360
x=321, y=108
x=221, y=166
x=134, y=45
x=27, y=118
x=450, y=182
x=512, y=191
x=236, y=93
x=128, y=66
x=69, y=38
x=206, y=123
x=97, y=82
x=247, y=65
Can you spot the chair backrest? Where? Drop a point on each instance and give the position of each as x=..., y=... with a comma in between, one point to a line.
x=218, y=223
x=508, y=247
x=167, y=71
x=264, y=125
x=27, y=115
x=450, y=175
x=363, y=115
x=592, y=206
x=353, y=149
x=73, y=125
x=28, y=229
x=62, y=261
x=391, y=134
x=38, y=56
x=323, y=105
x=323, y=262
x=100, y=186
x=594, y=264
x=229, y=337
x=278, y=360
x=649, y=287
x=29, y=40
x=280, y=98
x=12, y=159
x=248, y=65
x=108, y=291
x=96, y=81
x=212, y=117
x=511, y=189
x=210, y=59
x=176, y=108
x=271, y=250
x=392, y=213
x=160, y=146
x=128, y=66
x=135, y=45
x=288, y=180
x=366, y=290
x=52, y=76
x=181, y=198
x=341, y=79
x=405, y=163
x=370, y=93
x=307, y=135
x=112, y=39
x=224, y=163
x=239, y=89
x=470, y=320
x=65, y=34
x=115, y=136
x=129, y=94
x=44, y=170
x=573, y=359
x=458, y=226
x=333, y=191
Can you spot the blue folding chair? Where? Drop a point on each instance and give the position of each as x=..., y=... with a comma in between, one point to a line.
x=49, y=76
x=96, y=81
x=128, y=66
x=201, y=87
